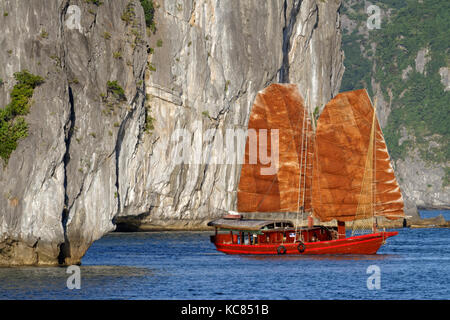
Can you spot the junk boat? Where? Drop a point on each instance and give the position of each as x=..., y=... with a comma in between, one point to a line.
x=336, y=170
x=251, y=236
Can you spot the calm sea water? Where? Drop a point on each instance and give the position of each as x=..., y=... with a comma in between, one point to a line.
x=185, y=265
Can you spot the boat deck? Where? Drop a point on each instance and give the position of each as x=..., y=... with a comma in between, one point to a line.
x=315, y=240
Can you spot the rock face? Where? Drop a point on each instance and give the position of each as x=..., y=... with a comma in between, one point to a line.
x=59, y=188
x=425, y=190
x=445, y=77
x=91, y=160
x=215, y=57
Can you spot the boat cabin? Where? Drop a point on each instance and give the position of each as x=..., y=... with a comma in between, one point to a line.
x=260, y=232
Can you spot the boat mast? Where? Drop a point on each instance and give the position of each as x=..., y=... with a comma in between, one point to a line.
x=305, y=164
x=374, y=173
x=300, y=172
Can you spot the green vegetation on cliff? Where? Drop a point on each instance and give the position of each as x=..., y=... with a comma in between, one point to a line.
x=13, y=126
x=149, y=10
x=116, y=90
x=96, y=2
x=420, y=115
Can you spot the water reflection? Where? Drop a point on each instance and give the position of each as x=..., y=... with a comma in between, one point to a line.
x=354, y=257
x=56, y=272
x=46, y=282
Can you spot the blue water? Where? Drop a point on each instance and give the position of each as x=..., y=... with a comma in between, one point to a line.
x=434, y=213
x=415, y=264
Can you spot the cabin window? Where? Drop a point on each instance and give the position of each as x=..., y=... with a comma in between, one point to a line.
x=246, y=238
x=278, y=224
x=255, y=238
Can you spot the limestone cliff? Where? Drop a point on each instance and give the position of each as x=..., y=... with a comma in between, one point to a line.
x=59, y=187
x=214, y=58
x=95, y=157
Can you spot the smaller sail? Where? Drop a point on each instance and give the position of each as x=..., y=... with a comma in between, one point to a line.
x=352, y=176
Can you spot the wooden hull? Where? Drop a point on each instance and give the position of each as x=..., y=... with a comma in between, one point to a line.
x=364, y=244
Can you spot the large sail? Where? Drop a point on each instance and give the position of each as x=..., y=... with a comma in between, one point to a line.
x=278, y=107
x=352, y=176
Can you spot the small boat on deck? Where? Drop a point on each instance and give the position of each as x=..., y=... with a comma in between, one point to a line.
x=336, y=170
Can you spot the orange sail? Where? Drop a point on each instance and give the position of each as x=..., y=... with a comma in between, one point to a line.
x=352, y=176
x=280, y=108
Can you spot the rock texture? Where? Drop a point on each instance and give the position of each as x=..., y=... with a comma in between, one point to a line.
x=215, y=57
x=426, y=189
x=89, y=161
x=59, y=188
x=445, y=77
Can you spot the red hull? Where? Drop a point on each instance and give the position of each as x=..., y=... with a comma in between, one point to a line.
x=364, y=244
